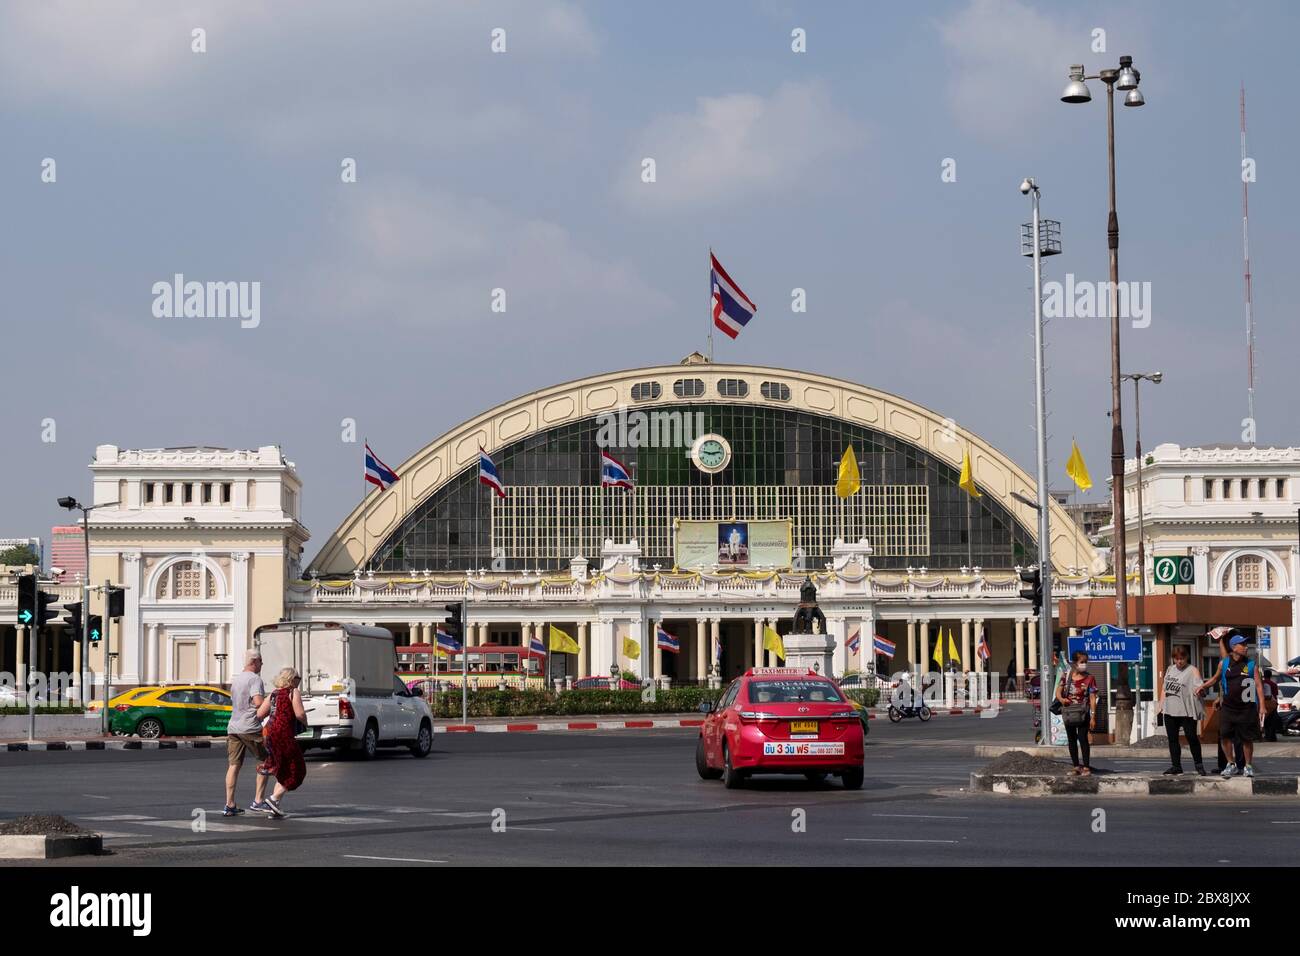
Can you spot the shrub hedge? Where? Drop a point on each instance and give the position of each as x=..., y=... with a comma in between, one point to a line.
x=546, y=703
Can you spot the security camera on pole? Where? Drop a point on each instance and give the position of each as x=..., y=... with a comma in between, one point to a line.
x=1041, y=238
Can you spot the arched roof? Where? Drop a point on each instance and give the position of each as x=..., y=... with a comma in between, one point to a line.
x=436, y=463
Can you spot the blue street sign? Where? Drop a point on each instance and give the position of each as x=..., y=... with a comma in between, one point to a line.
x=1107, y=644
x=1265, y=635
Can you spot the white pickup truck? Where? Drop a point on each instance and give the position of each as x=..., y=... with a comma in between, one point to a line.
x=350, y=691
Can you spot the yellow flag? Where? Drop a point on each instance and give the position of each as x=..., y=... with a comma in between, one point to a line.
x=772, y=642
x=1077, y=469
x=631, y=649
x=850, y=479
x=967, y=480
x=953, y=653
x=937, y=656
x=562, y=642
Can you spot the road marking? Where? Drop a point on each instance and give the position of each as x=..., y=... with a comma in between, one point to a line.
x=393, y=859
x=581, y=804
x=872, y=840
x=337, y=821
x=539, y=829
x=210, y=825
x=95, y=796
x=119, y=817
x=917, y=816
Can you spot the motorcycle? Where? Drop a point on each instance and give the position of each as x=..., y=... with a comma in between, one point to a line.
x=902, y=713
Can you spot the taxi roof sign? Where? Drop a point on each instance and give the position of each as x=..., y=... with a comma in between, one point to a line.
x=781, y=672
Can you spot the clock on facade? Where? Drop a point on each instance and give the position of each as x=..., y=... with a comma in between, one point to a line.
x=711, y=453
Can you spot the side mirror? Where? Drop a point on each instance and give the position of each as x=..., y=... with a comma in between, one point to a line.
x=706, y=707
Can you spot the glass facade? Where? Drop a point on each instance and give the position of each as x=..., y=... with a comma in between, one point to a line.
x=770, y=447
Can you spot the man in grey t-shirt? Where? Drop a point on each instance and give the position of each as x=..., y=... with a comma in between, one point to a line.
x=244, y=732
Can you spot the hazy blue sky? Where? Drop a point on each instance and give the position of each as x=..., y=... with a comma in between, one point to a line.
x=521, y=170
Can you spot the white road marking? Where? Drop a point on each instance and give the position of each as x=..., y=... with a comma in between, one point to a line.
x=538, y=829
x=872, y=840
x=119, y=817
x=95, y=796
x=393, y=859
x=917, y=816
x=211, y=825
x=338, y=821
x=618, y=805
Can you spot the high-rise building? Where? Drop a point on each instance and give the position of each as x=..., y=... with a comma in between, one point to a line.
x=68, y=551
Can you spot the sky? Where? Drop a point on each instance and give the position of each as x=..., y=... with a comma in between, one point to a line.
x=522, y=170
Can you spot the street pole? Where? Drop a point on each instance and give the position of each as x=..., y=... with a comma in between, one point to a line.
x=464, y=655
x=1044, y=530
x=108, y=661
x=31, y=662
x=85, y=612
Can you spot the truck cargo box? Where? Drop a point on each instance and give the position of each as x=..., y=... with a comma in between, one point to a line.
x=329, y=656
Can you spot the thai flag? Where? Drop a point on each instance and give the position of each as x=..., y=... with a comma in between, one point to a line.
x=883, y=647
x=445, y=643
x=983, y=648
x=488, y=475
x=732, y=309
x=855, y=642
x=536, y=645
x=613, y=473
x=666, y=642
x=377, y=473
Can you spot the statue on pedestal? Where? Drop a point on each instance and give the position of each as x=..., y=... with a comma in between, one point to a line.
x=808, y=619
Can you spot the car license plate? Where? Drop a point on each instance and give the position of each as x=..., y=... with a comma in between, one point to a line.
x=809, y=748
x=803, y=726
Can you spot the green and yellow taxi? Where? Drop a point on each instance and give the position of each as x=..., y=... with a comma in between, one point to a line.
x=182, y=710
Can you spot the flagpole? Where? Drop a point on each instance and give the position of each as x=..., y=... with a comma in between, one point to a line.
x=970, y=538
x=365, y=546
x=710, y=309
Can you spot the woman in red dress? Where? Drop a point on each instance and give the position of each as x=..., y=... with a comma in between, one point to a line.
x=284, y=705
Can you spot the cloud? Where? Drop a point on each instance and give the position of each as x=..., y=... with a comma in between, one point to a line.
x=736, y=146
x=428, y=257
x=1009, y=65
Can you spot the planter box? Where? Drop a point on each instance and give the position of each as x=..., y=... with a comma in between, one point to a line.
x=53, y=725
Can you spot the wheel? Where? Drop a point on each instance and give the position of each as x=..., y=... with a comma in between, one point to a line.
x=702, y=765
x=816, y=776
x=370, y=741
x=423, y=741
x=150, y=728
x=731, y=777
x=853, y=778
x=925, y=713
x=895, y=715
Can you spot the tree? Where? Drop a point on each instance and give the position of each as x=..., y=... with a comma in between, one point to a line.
x=22, y=554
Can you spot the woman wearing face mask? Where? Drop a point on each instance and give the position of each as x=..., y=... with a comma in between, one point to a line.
x=1180, y=702
x=1077, y=693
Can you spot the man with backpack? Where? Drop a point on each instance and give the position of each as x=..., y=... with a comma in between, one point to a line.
x=1241, y=715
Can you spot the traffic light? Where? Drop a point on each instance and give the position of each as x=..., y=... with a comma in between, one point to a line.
x=454, y=626
x=116, y=602
x=44, y=612
x=26, y=598
x=96, y=628
x=1033, y=593
x=73, y=620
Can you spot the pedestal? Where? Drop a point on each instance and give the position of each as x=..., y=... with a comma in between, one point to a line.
x=809, y=650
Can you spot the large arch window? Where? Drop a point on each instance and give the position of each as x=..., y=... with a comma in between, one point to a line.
x=186, y=581
x=772, y=447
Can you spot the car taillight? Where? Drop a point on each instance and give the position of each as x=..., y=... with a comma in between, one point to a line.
x=345, y=709
x=750, y=716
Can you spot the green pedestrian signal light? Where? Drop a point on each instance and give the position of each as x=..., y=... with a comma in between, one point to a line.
x=96, y=628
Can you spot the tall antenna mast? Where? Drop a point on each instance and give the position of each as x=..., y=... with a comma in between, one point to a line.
x=1250, y=300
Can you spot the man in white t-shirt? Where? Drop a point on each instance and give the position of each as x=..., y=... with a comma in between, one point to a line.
x=244, y=732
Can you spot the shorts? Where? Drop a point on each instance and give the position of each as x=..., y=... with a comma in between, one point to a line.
x=1239, y=725
x=239, y=744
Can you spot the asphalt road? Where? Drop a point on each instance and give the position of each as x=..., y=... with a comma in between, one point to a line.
x=631, y=798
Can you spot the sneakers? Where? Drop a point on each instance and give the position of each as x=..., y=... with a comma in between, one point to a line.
x=261, y=806
x=1250, y=771
x=1175, y=771
x=231, y=812
x=1229, y=770
x=273, y=807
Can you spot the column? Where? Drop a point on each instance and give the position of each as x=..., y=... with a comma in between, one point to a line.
x=911, y=644
x=239, y=573
x=658, y=651
x=1020, y=649
x=965, y=644
x=128, y=636
x=151, y=656
x=981, y=665
x=223, y=648
x=56, y=646
x=839, y=631
x=715, y=639
x=867, y=630
x=923, y=664
x=758, y=642
x=1033, y=651
x=582, y=649
x=76, y=667
x=203, y=658
x=20, y=647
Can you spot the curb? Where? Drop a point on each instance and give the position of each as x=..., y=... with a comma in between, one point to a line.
x=111, y=744
x=1263, y=749
x=50, y=846
x=1118, y=785
x=563, y=726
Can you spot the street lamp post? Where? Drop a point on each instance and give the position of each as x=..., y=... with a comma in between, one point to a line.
x=1125, y=79
x=72, y=504
x=1041, y=238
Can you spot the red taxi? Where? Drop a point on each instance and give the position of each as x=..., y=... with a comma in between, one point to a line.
x=780, y=720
